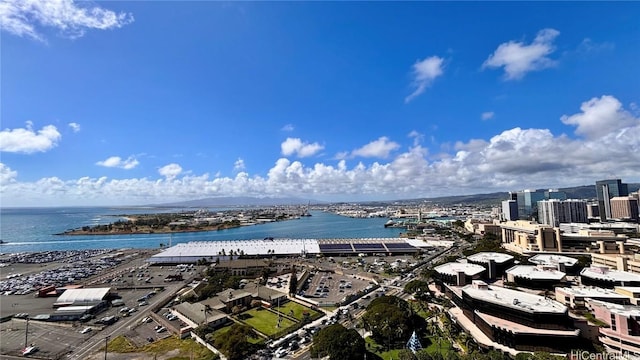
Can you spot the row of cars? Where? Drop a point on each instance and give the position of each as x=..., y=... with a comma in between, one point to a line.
x=66, y=274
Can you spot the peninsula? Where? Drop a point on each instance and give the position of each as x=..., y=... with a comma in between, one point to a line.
x=189, y=221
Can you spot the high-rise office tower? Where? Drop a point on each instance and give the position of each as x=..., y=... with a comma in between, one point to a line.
x=605, y=190
x=592, y=211
x=527, y=201
x=624, y=208
x=553, y=212
x=509, y=210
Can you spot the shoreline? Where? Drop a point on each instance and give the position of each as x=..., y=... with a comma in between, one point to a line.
x=170, y=223
x=77, y=232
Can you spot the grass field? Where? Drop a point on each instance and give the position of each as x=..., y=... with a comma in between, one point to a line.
x=297, y=310
x=181, y=349
x=264, y=321
x=220, y=332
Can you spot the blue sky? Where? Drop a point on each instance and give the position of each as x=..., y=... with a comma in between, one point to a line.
x=124, y=103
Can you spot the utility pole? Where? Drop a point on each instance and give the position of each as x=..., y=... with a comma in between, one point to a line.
x=26, y=334
x=106, y=345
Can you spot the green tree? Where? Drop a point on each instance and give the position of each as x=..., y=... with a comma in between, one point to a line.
x=419, y=288
x=406, y=354
x=293, y=281
x=339, y=343
x=390, y=320
x=583, y=262
x=232, y=282
x=235, y=343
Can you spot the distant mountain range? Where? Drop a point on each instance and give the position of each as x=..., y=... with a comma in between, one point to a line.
x=576, y=192
x=233, y=201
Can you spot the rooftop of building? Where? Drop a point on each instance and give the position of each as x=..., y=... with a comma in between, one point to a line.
x=196, y=312
x=604, y=273
x=635, y=290
x=550, y=259
x=271, y=246
x=232, y=294
x=484, y=257
x=624, y=310
x=85, y=295
x=523, y=225
x=453, y=268
x=536, y=272
x=518, y=328
x=247, y=247
x=514, y=299
x=429, y=242
x=590, y=291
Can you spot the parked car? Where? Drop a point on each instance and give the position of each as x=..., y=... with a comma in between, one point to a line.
x=29, y=350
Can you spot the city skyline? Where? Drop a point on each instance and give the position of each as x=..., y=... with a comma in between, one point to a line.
x=131, y=103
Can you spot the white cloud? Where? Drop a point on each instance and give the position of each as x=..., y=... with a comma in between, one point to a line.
x=287, y=128
x=512, y=159
x=239, y=165
x=424, y=73
x=380, y=148
x=75, y=127
x=487, y=115
x=587, y=45
x=518, y=58
x=416, y=136
x=27, y=140
x=170, y=171
x=117, y=162
x=24, y=17
x=600, y=117
x=295, y=146
x=7, y=175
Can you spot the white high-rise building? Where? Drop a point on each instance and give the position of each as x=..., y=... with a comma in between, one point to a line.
x=509, y=210
x=553, y=212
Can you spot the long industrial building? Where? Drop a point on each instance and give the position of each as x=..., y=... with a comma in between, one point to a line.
x=224, y=250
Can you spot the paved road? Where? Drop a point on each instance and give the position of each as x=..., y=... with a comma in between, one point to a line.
x=391, y=290
x=120, y=327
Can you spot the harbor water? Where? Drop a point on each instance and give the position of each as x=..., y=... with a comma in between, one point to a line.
x=34, y=229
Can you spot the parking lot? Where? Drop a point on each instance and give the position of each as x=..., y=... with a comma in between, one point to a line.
x=53, y=340
x=329, y=288
x=130, y=281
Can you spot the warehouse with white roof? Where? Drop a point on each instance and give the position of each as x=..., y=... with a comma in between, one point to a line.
x=82, y=297
x=192, y=252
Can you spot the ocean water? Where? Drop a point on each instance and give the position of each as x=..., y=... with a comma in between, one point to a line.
x=34, y=229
